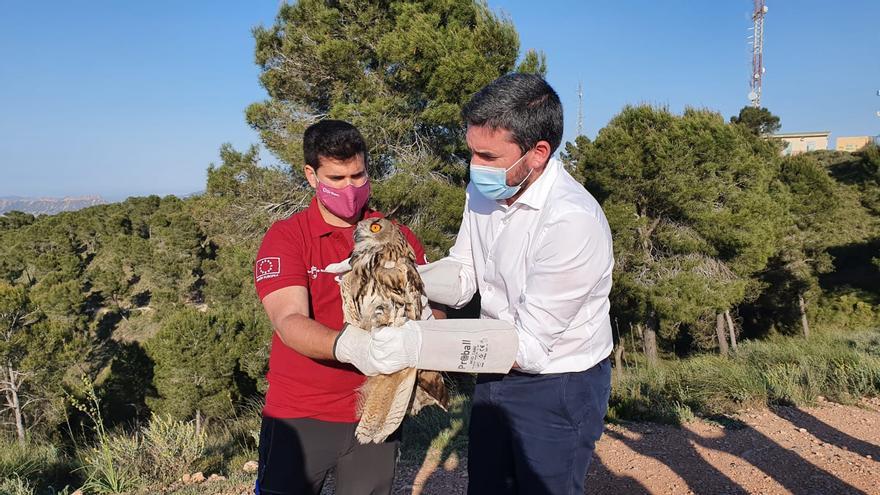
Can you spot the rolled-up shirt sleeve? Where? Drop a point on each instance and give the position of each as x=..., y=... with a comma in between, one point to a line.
x=573, y=256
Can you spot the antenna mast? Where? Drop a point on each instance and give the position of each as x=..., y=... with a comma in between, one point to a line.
x=757, y=52
x=580, y=109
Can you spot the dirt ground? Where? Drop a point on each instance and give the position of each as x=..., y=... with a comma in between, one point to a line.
x=828, y=449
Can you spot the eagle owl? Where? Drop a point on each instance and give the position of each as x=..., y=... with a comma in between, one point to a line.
x=382, y=289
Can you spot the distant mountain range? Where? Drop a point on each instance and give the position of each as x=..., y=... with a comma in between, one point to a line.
x=47, y=206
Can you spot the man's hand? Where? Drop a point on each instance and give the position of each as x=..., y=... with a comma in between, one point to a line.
x=480, y=346
x=352, y=346
x=382, y=352
x=396, y=348
x=442, y=281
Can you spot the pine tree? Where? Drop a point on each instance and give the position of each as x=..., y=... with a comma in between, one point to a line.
x=398, y=70
x=825, y=214
x=199, y=359
x=758, y=120
x=36, y=353
x=694, y=210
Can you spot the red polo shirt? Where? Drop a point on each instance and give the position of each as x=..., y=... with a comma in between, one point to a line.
x=294, y=252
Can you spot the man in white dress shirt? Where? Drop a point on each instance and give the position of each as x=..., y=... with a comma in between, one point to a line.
x=537, y=247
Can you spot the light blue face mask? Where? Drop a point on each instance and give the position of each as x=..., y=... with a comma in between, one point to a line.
x=492, y=182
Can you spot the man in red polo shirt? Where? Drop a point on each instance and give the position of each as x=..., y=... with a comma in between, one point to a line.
x=309, y=417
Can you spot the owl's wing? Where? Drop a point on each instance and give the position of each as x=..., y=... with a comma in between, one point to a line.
x=430, y=390
x=349, y=288
x=385, y=400
x=414, y=291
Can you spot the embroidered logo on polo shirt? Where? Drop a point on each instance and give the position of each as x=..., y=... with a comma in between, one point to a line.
x=268, y=267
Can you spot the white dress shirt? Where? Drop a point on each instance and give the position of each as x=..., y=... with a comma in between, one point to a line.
x=543, y=264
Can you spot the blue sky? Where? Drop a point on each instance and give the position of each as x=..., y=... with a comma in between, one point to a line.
x=131, y=98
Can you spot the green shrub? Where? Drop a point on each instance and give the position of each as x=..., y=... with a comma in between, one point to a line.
x=162, y=452
x=780, y=370
x=851, y=311
x=172, y=447
x=15, y=485
x=113, y=466
x=242, y=437
x=25, y=460
x=37, y=464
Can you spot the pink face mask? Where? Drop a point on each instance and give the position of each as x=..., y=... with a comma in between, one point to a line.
x=346, y=202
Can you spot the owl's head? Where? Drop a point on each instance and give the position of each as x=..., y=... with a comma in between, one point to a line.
x=377, y=233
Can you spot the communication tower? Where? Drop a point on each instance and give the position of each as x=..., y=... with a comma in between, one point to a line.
x=757, y=52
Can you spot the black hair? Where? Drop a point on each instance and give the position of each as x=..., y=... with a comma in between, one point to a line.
x=523, y=104
x=333, y=139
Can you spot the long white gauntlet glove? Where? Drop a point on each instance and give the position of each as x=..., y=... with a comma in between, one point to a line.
x=474, y=346
x=352, y=346
x=371, y=352
x=443, y=281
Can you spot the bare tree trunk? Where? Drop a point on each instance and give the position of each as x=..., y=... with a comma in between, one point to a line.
x=719, y=332
x=198, y=421
x=618, y=357
x=618, y=349
x=649, y=337
x=13, y=402
x=732, y=328
x=632, y=339
x=649, y=340
x=804, y=323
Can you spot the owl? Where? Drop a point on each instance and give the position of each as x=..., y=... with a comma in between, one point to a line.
x=383, y=289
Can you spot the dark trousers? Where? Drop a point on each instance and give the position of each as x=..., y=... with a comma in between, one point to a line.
x=296, y=454
x=535, y=434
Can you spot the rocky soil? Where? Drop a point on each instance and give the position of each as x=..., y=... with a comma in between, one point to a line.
x=828, y=449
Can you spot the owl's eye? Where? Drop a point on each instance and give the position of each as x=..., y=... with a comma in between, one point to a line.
x=375, y=228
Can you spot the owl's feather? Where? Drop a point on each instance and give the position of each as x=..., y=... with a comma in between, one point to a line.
x=385, y=402
x=383, y=288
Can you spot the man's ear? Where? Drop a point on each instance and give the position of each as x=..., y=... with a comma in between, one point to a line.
x=311, y=175
x=540, y=154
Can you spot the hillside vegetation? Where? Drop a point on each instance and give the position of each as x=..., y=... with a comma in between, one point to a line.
x=131, y=332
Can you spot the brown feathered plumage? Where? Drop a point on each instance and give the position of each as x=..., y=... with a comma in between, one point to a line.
x=383, y=288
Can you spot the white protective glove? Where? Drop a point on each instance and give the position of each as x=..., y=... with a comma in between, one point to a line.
x=340, y=267
x=395, y=348
x=352, y=346
x=465, y=345
x=362, y=349
x=442, y=279
x=383, y=351
x=473, y=346
x=443, y=282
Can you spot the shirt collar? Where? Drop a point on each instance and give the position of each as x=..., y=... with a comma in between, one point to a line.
x=319, y=227
x=537, y=193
